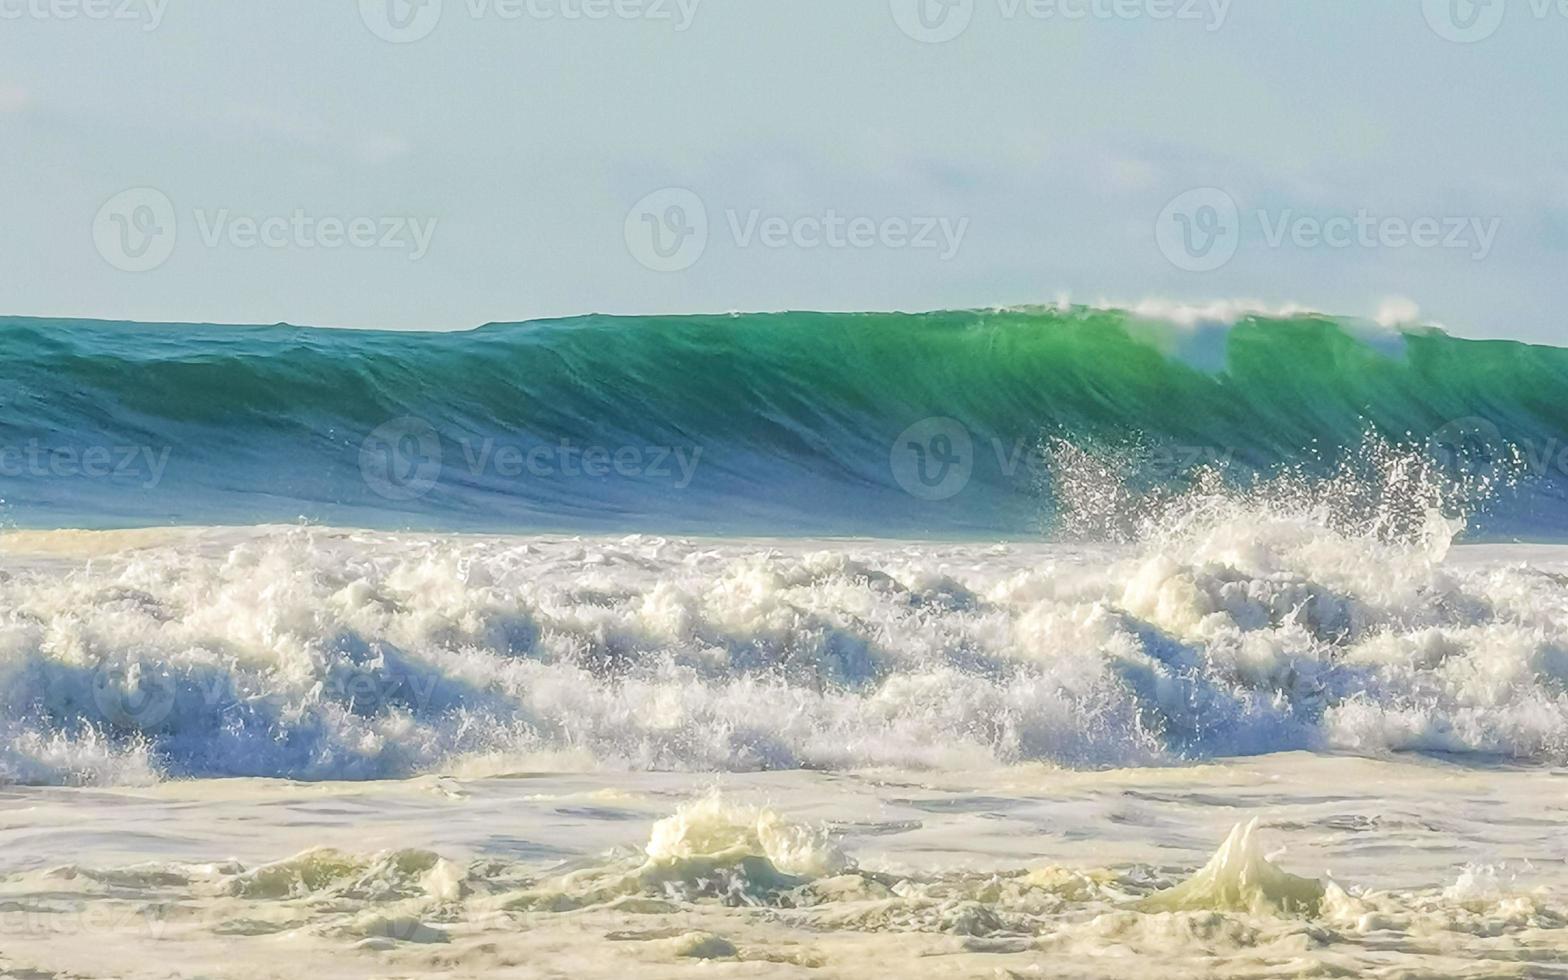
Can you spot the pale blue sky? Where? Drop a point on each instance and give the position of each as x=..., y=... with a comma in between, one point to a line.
x=1054, y=144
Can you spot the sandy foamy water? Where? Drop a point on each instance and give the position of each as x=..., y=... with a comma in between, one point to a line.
x=1355, y=867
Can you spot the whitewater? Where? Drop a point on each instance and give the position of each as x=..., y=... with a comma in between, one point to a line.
x=1208, y=668
x=311, y=653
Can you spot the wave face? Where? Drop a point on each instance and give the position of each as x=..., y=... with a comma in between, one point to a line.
x=792, y=423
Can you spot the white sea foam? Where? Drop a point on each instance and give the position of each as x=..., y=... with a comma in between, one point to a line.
x=1239, y=877
x=729, y=880
x=339, y=655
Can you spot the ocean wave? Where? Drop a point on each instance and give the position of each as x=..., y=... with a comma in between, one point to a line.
x=788, y=423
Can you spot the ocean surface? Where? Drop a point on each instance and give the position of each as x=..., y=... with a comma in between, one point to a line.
x=775, y=424
x=1047, y=642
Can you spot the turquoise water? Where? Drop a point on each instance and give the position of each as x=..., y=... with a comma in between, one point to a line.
x=790, y=423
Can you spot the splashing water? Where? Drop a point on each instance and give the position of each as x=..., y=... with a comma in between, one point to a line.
x=1240, y=878
x=1380, y=490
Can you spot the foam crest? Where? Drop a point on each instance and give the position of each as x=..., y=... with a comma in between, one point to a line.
x=1240, y=878
x=713, y=828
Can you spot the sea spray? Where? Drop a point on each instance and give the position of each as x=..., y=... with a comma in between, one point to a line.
x=1377, y=489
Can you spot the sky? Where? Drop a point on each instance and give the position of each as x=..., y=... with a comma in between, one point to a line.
x=439, y=164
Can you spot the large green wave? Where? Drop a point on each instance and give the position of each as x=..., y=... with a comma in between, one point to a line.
x=793, y=422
